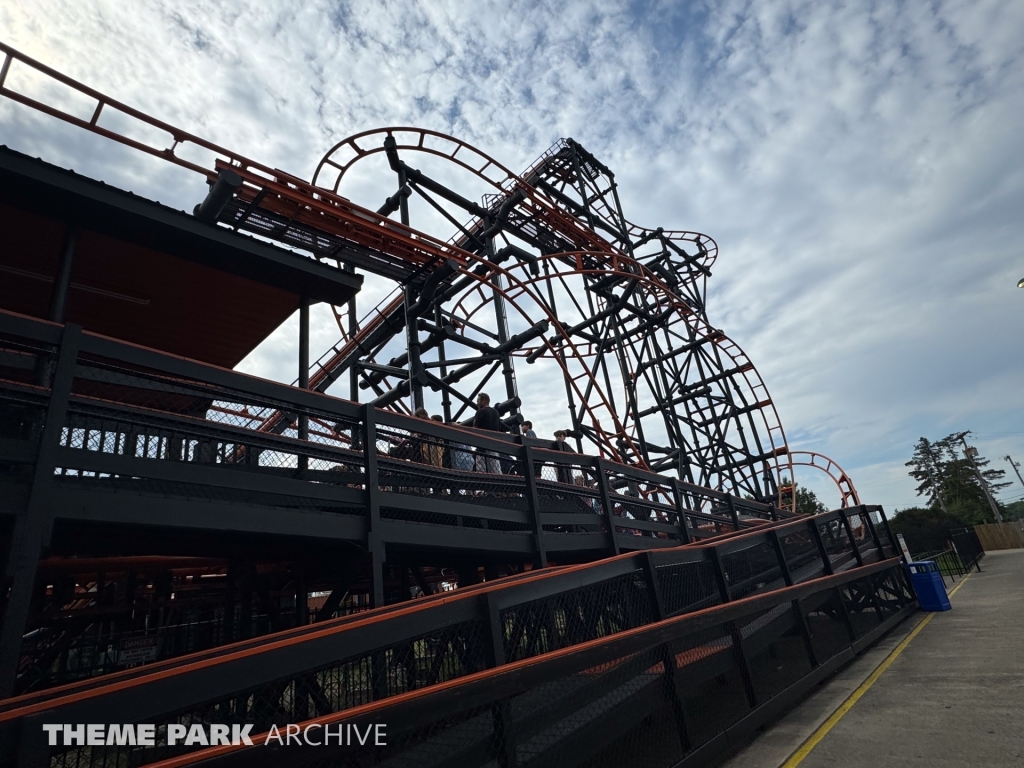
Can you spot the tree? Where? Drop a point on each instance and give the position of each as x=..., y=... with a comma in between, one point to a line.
x=1013, y=511
x=927, y=463
x=951, y=481
x=807, y=502
x=925, y=529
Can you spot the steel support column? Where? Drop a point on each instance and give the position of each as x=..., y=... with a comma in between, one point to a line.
x=501, y=322
x=303, y=426
x=606, y=504
x=733, y=513
x=62, y=282
x=31, y=528
x=526, y=460
x=353, y=328
x=374, y=541
x=677, y=493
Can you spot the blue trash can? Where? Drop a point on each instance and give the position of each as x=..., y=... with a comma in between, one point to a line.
x=928, y=583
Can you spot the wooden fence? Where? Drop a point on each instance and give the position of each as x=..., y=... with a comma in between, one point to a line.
x=1000, y=535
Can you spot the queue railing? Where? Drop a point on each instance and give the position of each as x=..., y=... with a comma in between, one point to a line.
x=349, y=663
x=679, y=692
x=139, y=421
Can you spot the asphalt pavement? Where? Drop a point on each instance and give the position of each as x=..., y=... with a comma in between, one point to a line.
x=953, y=695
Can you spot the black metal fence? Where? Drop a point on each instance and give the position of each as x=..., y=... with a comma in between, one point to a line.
x=777, y=607
x=97, y=430
x=967, y=547
x=142, y=428
x=58, y=655
x=679, y=692
x=684, y=689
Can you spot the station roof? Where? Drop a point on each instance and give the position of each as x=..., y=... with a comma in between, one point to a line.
x=144, y=272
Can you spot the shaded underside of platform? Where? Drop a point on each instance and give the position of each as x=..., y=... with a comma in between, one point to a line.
x=146, y=273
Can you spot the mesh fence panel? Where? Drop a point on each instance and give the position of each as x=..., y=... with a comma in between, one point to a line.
x=649, y=706
x=826, y=623
x=642, y=501
x=710, y=684
x=860, y=601
x=836, y=543
x=752, y=569
x=776, y=652
x=688, y=587
x=801, y=554
x=570, y=490
x=576, y=616
x=419, y=662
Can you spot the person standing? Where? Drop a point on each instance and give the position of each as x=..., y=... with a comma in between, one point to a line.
x=528, y=429
x=564, y=471
x=462, y=456
x=433, y=450
x=487, y=418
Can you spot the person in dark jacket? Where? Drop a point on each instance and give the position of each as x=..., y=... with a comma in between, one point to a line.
x=487, y=418
x=564, y=471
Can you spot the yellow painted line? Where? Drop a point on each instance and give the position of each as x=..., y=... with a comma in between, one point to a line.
x=818, y=735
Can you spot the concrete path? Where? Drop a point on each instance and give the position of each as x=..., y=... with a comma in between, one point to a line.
x=953, y=696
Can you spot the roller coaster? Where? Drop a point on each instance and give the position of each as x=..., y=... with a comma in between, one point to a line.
x=185, y=544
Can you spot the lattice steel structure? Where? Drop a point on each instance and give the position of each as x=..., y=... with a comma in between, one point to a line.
x=618, y=310
x=547, y=272
x=186, y=543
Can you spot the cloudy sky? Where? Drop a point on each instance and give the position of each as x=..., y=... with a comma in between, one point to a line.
x=859, y=164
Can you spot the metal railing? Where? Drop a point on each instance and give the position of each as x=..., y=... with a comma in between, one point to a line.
x=348, y=663
x=967, y=547
x=105, y=431
x=140, y=422
x=676, y=693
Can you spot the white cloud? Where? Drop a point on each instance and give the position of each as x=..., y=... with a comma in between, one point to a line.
x=859, y=166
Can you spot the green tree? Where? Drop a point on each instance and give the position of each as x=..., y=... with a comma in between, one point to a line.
x=925, y=529
x=1014, y=510
x=928, y=464
x=807, y=501
x=949, y=480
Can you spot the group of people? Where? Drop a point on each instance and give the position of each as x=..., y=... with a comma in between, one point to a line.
x=448, y=453
x=463, y=457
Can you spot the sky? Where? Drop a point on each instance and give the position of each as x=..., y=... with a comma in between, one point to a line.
x=859, y=165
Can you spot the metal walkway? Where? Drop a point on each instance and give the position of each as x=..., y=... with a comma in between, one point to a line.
x=559, y=662
x=104, y=442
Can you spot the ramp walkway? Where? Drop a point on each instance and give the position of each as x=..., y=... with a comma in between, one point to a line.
x=951, y=696
x=684, y=651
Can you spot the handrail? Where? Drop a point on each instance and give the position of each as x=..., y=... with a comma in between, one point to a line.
x=292, y=397
x=530, y=586
x=585, y=656
x=179, y=136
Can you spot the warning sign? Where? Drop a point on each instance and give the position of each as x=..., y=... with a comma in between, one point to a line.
x=136, y=650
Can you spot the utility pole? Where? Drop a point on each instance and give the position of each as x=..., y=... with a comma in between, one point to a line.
x=971, y=452
x=1016, y=468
